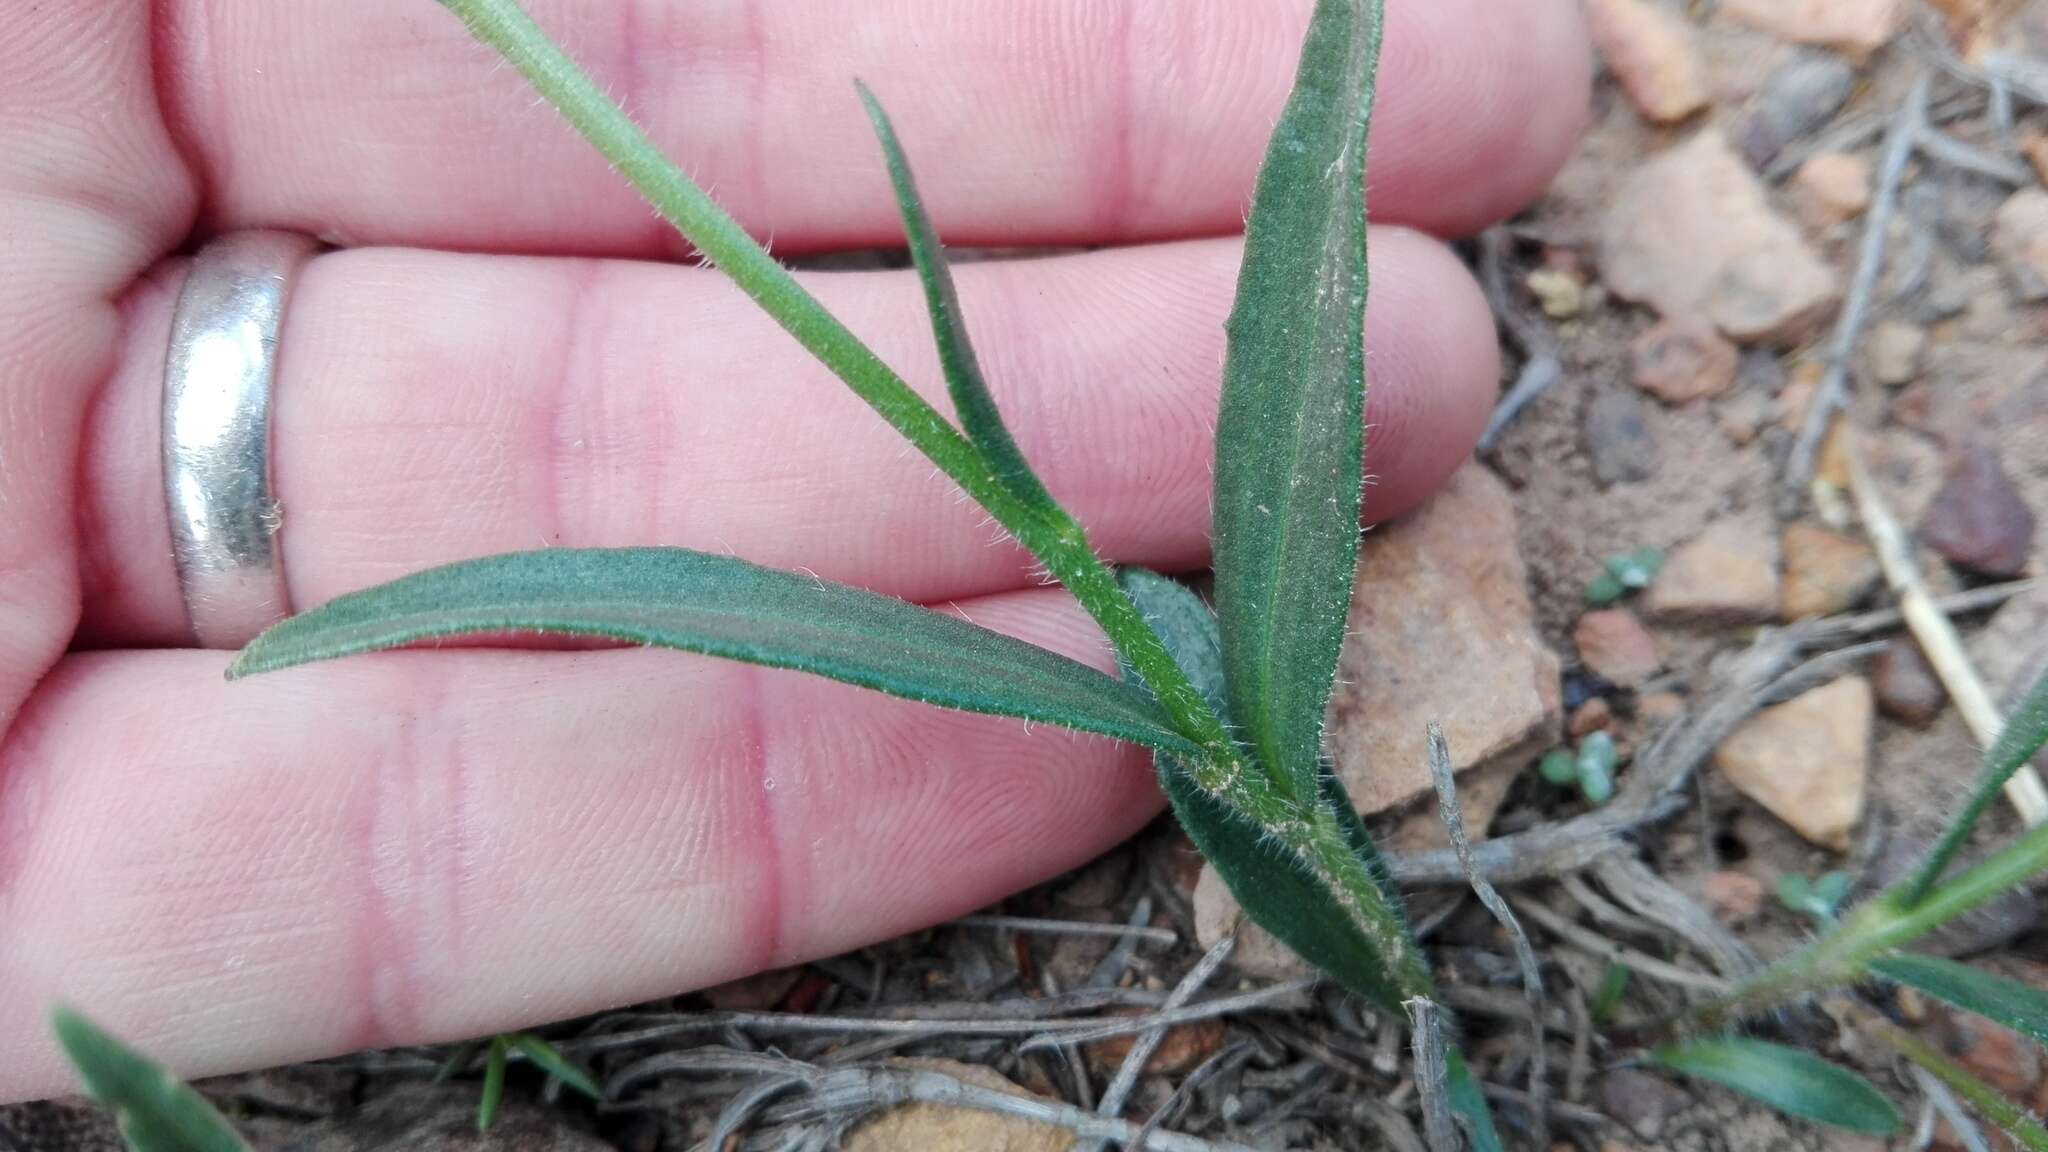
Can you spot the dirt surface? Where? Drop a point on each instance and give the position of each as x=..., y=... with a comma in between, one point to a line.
x=1597, y=467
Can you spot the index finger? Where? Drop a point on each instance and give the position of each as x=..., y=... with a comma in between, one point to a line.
x=1032, y=122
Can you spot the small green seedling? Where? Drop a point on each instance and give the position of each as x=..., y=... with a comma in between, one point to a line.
x=1595, y=765
x=1819, y=898
x=1607, y=997
x=1231, y=704
x=1589, y=770
x=1625, y=573
x=497, y=1052
x=1560, y=766
x=1867, y=944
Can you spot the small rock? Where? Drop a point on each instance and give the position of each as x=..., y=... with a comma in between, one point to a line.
x=1977, y=521
x=941, y=1128
x=1420, y=827
x=1183, y=1047
x=1442, y=628
x=1559, y=292
x=1825, y=571
x=1742, y=417
x=1725, y=575
x=2034, y=144
x=1660, y=708
x=1856, y=27
x=1907, y=688
x=1998, y=1055
x=1832, y=188
x=1618, y=438
x=753, y=993
x=1895, y=353
x=1734, y=897
x=2019, y=238
x=1258, y=953
x=1807, y=761
x=1693, y=232
x=1098, y=884
x=1652, y=53
x=1797, y=396
x=1800, y=97
x=1595, y=715
x=1643, y=1103
x=1683, y=359
x=1615, y=646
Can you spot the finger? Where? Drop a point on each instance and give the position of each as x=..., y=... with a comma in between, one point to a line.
x=1070, y=121
x=434, y=407
x=90, y=193
x=425, y=846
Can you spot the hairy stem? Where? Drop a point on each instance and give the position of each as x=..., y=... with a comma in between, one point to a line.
x=1880, y=925
x=1987, y=1100
x=1055, y=539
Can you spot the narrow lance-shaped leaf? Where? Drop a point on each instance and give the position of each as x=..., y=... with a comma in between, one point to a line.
x=2020, y=1007
x=1793, y=1082
x=722, y=606
x=547, y=1059
x=1468, y=1100
x=1290, y=435
x=156, y=1112
x=1355, y=933
x=2024, y=734
x=494, y=1085
x=1993, y=1105
x=971, y=398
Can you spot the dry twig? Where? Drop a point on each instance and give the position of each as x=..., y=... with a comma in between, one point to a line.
x=1832, y=392
x=1532, y=973
x=1937, y=637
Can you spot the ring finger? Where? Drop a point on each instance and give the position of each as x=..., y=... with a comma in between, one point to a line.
x=434, y=407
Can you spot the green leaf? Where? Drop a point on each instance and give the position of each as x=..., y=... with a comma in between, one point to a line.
x=2025, y=732
x=1285, y=897
x=1185, y=625
x=494, y=1086
x=1636, y=570
x=1290, y=436
x=555, y=1064
x=1793, y=1082
x=1559, y=767
x=722, y=606
x=971, y=398
x=1604, y=589
x=156, y=1112
x=2020, y=1007
x=1607, y=997
x=1595, y=767
x=1468, y=1100
x=1369, y=952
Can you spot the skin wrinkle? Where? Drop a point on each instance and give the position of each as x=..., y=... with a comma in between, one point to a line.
x=563, y=455
x=764, y=926
x=1115, y=173
x=168, y=35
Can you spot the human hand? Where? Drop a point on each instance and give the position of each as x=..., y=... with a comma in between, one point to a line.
x=427, y=846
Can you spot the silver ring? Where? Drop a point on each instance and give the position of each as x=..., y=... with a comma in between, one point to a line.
x=218, y=379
